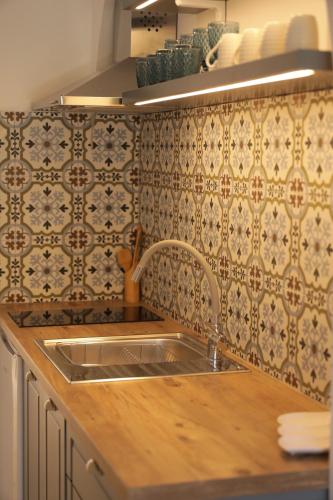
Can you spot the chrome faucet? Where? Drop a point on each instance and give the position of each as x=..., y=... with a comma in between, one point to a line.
x=213, y=334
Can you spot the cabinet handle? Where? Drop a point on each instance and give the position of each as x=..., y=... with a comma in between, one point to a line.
x=92, y=467
x=49, y=405
x=30, y=377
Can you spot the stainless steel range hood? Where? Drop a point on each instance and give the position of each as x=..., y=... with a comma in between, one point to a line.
x=102, y=90
x=136, y=33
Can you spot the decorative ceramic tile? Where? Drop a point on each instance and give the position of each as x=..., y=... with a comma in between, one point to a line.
x=277, y=145
x=212, y=144
x=273, y=331
x=318, y=141
x=102, y=273
x=317, y=246
x=165, y=277
x=188, y=144
x=109, y=209
x=46, y=273
x=241, y=143
x=165, y=219
x=109, y=144
x=46, y=144
x=68, y=198
x=15, y=176
x=275, y=237
x=252, y=191
x=166, y=146
x=47, y=209
x=185, y=295
x=240, y=230
x=314, y=349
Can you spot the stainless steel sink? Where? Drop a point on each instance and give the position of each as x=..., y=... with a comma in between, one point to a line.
x=131, y=357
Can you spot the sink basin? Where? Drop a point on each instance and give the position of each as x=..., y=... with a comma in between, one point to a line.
x=128, y=352
x=131, y=357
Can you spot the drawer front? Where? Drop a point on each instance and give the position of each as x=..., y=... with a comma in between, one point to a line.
x=84, y=473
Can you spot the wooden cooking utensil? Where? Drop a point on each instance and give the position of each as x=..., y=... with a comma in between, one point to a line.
x=132, y=290
x=124, y=259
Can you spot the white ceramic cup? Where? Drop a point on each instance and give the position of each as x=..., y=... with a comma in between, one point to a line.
x=249, y=47
x=273, y=39
x=302, y=33
x=226, y=48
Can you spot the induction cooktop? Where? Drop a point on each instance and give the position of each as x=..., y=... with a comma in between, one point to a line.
x=84, y=316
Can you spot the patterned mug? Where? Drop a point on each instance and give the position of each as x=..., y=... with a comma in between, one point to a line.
x=186, y=38
x=141, y=71
x=165, y=64
x=153, y=69
x=182, y=60
x=201, y=40
x=169, y=43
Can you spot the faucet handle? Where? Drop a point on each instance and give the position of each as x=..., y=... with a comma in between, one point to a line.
x=213, y=330
x=216, y=333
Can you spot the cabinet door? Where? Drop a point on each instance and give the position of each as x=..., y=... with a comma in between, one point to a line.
x=52, y=451
x=32, y=432
x=44, y=444
x=87, y=480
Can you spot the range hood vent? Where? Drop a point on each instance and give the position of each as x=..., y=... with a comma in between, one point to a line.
x=104, y=90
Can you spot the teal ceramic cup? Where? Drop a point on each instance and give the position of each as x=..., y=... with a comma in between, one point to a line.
x=141, y=71
x=201, y=40
x=181, y=60
x=186, y=60
x=187, y=38
x=170, y=43
x=153, y=69
x=165, y=64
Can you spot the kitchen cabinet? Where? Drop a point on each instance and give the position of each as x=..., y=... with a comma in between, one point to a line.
x=85, y=478
x=44, y=428
x=50, y=474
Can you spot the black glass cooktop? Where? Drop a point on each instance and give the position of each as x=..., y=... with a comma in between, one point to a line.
x=85, y=316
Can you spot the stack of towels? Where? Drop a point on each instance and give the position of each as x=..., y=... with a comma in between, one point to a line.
x=304, y=432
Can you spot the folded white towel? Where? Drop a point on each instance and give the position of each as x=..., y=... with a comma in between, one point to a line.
x=308, y=418
x=301, y=445
x=304, y=432
x=320, y=431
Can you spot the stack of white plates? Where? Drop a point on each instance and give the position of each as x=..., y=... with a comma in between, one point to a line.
x=304, y=432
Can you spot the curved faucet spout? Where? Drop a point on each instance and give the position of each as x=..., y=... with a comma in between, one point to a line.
x=185, y=246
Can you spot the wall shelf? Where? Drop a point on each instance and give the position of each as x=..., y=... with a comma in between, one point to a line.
x=319, y=61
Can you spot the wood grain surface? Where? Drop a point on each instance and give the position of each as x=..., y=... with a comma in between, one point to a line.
x=190, y=437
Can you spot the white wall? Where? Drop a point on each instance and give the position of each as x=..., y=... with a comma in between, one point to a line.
x=48, y=45
x=255, y=13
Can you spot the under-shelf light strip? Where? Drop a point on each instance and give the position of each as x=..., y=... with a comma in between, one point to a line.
x=145, y=4
x=291, y=75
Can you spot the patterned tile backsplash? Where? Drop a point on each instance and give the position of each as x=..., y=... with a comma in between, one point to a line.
x=250, y=185
x=68, y=200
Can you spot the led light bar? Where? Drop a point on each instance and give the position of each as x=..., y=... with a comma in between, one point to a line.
x=145, y=4
x=71, y=100
x=290, y=75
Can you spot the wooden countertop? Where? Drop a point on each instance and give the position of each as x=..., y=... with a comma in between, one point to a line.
x=190, y=437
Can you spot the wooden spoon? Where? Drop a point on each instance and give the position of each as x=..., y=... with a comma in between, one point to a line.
x=124, y=259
